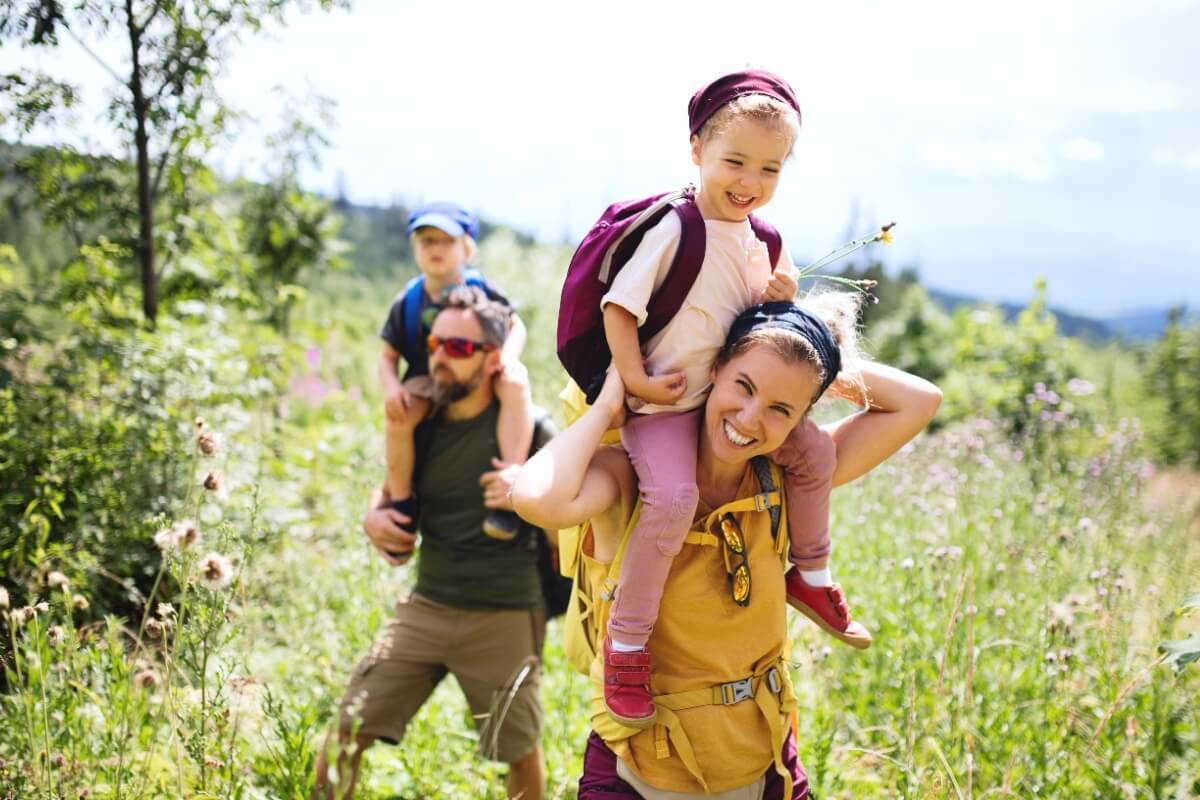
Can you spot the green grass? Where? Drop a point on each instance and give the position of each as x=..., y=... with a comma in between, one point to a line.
x=1017, y=591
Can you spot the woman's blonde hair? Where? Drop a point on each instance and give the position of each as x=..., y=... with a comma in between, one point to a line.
x=772, y=113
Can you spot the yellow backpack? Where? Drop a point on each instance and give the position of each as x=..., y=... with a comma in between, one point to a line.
x=581, y=629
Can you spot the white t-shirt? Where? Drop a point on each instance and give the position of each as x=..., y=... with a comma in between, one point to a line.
x=732, y=278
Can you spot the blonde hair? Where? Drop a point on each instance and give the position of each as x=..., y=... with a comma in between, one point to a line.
x=761, y=108
x=839, y=311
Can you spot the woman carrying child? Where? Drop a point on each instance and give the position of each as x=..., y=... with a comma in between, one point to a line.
x=743, y=127
x=720, y=649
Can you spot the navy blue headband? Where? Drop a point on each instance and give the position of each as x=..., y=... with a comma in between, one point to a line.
x=790, y=317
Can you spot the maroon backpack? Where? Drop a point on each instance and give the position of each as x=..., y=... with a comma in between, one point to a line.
x=608, y=246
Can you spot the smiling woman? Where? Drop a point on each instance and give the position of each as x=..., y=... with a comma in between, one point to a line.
x=720, y=688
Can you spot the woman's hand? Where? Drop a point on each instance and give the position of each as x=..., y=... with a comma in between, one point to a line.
x=611, y=400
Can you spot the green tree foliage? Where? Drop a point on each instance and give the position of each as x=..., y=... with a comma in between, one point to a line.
x=1172, y=377
x=288, y=233
x=165, y=103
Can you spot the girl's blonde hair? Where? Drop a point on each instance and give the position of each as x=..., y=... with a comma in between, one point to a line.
x=768, y=111
x=839, y=311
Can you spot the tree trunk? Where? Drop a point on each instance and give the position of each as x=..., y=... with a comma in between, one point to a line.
x=145, y=241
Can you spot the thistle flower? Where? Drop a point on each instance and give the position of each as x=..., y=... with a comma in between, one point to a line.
x=56, y=634
x=165, y=610
x=23, y=615
x=212, y=481
x=3, y=597
x=216, y=571
x=187, y=534
x=43, y=607
x=80, y=602
x=147, y=678
x=56, y=579
x=207, y=442
x=182, y=535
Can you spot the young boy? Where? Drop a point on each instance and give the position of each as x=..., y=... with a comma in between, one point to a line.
x=443, y=242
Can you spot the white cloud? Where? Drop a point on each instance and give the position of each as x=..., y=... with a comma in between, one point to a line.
x=1080, y=149
x=974, y=158
x=1192, y=160
x=1130, y=96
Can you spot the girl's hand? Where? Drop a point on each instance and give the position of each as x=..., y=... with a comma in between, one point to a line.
x=661, y=390
x=782, y=286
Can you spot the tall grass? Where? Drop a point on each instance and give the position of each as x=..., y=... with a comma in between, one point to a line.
x=1017, y=589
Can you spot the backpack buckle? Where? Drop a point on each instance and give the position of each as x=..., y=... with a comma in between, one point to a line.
x=773, y=681
x=762, y=501
x=608, y=589
x=737, y=691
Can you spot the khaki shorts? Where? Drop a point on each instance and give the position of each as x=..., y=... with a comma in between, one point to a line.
x=494, y=655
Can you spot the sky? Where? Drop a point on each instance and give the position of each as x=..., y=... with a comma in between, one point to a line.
x=1006, y=141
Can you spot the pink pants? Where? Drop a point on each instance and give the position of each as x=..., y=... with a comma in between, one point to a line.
x=662, y=449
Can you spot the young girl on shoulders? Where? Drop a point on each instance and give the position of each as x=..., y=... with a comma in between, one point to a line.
x=743, y=127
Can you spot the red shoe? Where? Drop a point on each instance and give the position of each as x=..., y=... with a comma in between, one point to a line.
x=826, y=606
x=627, y=687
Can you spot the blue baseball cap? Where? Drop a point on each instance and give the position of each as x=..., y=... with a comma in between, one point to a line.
x=446, y=217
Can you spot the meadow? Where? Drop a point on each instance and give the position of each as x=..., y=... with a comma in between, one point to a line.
x=1020, y=580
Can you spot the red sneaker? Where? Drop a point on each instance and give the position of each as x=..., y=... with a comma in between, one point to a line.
x=627, y=686
x=826, y=606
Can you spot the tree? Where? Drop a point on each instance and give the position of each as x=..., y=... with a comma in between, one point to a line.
x=165, y=103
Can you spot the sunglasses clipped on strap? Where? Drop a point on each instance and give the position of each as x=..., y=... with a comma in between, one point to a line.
x=735, y=559
x=457, y=347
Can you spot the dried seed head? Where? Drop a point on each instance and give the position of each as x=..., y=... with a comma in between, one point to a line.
x=3, y=597
x=147, y=678
x=56, y=634
x=216, y=571
x=207, y=442
x=56, y=579
x=212, y=481
x=80, y=602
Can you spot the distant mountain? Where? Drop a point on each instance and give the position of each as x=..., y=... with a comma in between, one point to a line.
x=1133, y=326
x=1092, y=276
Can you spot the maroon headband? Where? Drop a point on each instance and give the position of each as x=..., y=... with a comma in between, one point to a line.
x=727, y=88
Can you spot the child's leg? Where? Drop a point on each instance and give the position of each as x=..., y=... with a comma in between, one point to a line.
x=514, y=428
x=400, y=450
x=662, y=449
x=808, y=458
x=514, y=435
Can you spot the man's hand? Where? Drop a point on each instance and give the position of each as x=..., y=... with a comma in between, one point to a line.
x=498, y=484
x=782, y=286
x=383, y=528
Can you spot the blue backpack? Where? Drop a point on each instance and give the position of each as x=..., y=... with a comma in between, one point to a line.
x=414, y=343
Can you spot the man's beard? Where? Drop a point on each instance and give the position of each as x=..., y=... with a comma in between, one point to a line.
x=447, y=389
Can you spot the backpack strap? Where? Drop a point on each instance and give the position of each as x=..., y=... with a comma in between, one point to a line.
x=765, y=472
x=685, y=266
x=412, y=317
x=769, y=236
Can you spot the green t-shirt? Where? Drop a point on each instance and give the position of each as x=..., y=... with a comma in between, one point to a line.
x=461, y=566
